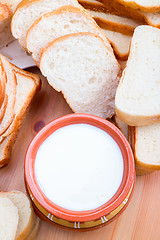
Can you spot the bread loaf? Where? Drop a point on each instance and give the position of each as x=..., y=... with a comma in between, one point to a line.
x=84, y=70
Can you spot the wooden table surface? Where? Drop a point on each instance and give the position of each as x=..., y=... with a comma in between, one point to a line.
x=141, y=219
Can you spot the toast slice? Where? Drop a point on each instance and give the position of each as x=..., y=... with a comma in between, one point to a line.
x=145, y=145
x=65, y=20
x=107, y=20
x=30, y=10
x=80, y=65
x=8, y=219
x=137, y=99
x=27, y=218
x=11, y=95
x=143, y=5
x=27, y=86
x=113, y=6
x=120, y=43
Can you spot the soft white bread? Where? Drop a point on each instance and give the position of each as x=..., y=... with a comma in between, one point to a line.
x=5, y=25
x=27, y=218
x=121, y=125
x=65, y=20
x=137, y=99
x=114, y=7
x=84, y=70
x=119, y=42
x=143, y=5
x=145, y=145
x=27, y=86
x=11, y=95
x=107, y=20
x=30, y=10
x=8, y=219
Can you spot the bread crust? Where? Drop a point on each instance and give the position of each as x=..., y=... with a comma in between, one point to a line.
x=11, y=83
x=104, y=23
x=134, y=5
x=141, y=167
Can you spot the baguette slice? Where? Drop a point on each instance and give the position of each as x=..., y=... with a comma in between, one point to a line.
x=26, y=213
x=30, y=10
x=145, y=6
x=119, y=42
x=137, y=98
x=27, y=85
x=84, y=70
x=8, y=219
x=11, y=95
x=65, y=20
x=145, y=145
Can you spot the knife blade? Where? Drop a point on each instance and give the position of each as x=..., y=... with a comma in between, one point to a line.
x=17, y=55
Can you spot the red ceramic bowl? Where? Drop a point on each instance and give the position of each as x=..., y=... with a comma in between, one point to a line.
x=81, y=220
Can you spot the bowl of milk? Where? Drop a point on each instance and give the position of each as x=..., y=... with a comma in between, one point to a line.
x=79, y=172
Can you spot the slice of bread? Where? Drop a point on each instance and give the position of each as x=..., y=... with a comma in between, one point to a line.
x=5, y=25
x=108, y=20
x=115, y=23
x=27, y=218
x=143, y=5
x=34, y=231
x=119, y=42
x=11, y=95
x=137, y=98
x=65, y=20
x=145, y=145
x=30, y=10
x=113, y=6
x=84, y=70
x=8, y=219
x=27, y=85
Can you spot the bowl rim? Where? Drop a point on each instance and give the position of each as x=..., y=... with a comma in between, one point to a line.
x=89, y=215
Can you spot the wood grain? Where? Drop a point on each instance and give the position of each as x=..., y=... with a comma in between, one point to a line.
x=140, y=221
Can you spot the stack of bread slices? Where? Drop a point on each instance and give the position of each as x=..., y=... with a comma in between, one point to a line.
x=137, y=99
x=71, y=51
x=17, y=88
x=17, y=219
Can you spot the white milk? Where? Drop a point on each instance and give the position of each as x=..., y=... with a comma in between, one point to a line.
x=79, y=167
